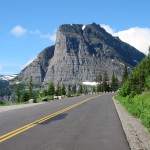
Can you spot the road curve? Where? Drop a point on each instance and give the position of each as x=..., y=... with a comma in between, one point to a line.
x=93, y=124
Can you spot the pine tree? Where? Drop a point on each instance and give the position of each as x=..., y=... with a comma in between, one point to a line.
x=93, y=89
x=69, y=89
x=18, y=93
x=116, y=83
x=125, y=74
x=80, y=89
x=113, y=83
x=99, y=78
x=51, y=89
x=98, y=87
x=149, y=52
x=85, y=90
x=58, y=90
x=63, y=90
x=105, y=86
x=44, y=93
x=25, y=96
x=30, y=86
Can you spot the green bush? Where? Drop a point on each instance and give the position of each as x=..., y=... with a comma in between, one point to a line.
x=2, y=103
x=125, y=89
x=139, y=106
x=148, y=83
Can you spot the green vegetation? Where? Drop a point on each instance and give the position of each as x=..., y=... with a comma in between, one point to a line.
x=105, y=86
x=30, y=88
x=18, y=93
x=80, y=89
x=51, y=89
x=114, y=83
x=138, y=81
x=22, y=92
x=58, y=89
x=139, y=106
x=69, y=89
x=63, y=90
x=125, y=74
x=135, y=92
x=2, y=104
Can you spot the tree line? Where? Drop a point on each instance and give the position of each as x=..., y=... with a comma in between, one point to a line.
x=138, y=81
x=104, y=85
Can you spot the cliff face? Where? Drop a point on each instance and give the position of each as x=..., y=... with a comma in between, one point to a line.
x=81, y=52
x=38, y=68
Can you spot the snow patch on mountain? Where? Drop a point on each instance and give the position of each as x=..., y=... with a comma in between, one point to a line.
x=7, y=77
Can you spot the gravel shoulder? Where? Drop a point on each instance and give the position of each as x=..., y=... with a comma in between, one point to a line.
x=12, y=107
x=137, y=135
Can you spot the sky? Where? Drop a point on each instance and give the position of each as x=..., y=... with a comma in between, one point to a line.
x=29, y=26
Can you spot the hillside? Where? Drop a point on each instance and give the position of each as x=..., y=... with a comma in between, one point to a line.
x=79, y=54
x=138, y=81
x=135, y=92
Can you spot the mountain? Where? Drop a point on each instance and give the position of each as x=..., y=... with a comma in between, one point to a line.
x=7, y=77
x=79, y=54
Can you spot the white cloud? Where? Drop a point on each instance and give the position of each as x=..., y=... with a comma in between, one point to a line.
x=108, y=28
x=136, y=36
x=51, y=37
x=18, y=31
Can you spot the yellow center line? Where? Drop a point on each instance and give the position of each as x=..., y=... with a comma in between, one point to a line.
x=32, y=124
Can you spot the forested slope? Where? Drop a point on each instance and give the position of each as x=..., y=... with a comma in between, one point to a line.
x=135, y=92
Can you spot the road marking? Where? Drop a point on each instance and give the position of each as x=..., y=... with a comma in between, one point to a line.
x=31, y=125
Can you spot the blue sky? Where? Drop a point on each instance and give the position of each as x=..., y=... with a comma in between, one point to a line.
x=29, y=26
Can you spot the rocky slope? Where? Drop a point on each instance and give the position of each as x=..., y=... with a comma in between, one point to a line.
x=80, y=52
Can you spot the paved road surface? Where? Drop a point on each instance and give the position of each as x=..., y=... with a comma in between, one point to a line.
x=93, y=125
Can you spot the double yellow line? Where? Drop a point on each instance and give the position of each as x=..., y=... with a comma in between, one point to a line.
x=28, y=126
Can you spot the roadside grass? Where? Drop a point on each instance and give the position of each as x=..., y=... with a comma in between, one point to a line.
x=138, y=106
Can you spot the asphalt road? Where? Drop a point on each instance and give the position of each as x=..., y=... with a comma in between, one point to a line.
x=92, y=125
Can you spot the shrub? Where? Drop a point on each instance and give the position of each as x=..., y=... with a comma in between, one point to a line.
x=139, y=106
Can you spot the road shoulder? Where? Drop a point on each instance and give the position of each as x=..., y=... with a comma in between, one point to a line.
x=137, y=135
x=12, y=107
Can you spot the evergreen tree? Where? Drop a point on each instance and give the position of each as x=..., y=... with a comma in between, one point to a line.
x=93, y=89
x=149, y=52
x=69, y=89
x=18, y=93
x=137, y=82
x=116, y=83
x=99, y=87
x=125, y=74
x=99, y=78
x=25, y=96
x=58, y=90
x=44, y=93
x=105, y=86
x=113, y=83
x=73, y=91
x=63, y=90
x=80, y=89
x=30, y=86
x=85, y=90
x=51, y=89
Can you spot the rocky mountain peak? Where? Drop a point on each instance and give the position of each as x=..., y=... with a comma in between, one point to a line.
x=81, y=52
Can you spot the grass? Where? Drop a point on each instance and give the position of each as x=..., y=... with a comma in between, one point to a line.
x=138, y=106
